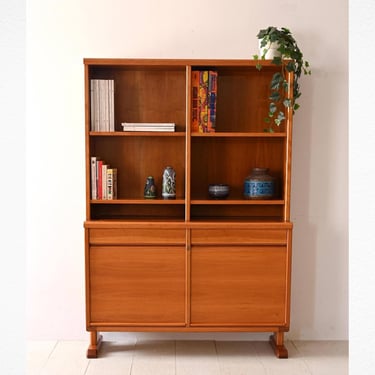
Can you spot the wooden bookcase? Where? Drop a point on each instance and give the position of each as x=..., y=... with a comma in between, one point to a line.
x=191, y=264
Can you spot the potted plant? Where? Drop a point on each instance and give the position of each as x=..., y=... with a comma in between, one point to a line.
x=287, y=54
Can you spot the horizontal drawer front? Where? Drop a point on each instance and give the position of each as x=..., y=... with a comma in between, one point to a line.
x=239, y=236
x=110, y=236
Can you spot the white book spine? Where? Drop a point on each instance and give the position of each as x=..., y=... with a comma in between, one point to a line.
x=106, y=105
x=112, y=105
x=92, y=105
x=96, y=104
x=101, y=106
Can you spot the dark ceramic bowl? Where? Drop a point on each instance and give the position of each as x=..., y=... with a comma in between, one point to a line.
x=218, y=191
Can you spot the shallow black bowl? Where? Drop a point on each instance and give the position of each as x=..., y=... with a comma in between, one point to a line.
x=218, y=191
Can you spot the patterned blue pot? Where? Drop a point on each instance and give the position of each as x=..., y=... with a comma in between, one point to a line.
x=259, y=185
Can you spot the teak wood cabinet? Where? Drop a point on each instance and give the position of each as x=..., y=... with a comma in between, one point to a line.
x=190, y=264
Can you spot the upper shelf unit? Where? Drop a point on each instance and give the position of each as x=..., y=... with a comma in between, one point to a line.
x=161, y=91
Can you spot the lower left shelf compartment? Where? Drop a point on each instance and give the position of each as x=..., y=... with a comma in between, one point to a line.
x=155, y=209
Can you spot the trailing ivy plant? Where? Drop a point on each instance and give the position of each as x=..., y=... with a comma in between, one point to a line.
x=291, y=60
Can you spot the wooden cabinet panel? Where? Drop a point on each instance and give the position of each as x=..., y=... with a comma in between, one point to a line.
x=239, y=236
x=238, y=285
x=137, y=285
x=129, y=236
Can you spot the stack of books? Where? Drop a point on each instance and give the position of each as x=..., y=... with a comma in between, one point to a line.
x=103, y=180
x=148, y=126
x=102, y=105
x=204, y=95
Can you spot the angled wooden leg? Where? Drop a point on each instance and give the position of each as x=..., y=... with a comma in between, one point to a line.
x=95, y=342
x=277, y=343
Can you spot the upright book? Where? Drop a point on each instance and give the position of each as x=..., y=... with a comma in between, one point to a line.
x=212, y=94
x=203, y=101
x=102, y=105
x=195, y=101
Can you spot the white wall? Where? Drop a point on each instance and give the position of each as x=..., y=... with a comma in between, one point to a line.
x=61, y=33
x=12, y=187
x=361, y=187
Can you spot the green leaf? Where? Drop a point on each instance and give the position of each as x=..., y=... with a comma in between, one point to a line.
x=287, y=103
x=258, y=66
x=275, y=96
x=268, y=130
x=277, y=78
x=273, y=108
x=291, y=67
x=277, y=60
x=281, y=116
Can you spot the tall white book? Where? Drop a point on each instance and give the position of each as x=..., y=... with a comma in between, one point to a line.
x=111, y=97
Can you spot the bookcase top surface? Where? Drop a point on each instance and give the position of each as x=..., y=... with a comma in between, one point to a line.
x=175, y=62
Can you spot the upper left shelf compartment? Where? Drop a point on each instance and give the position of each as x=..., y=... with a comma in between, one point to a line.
x=143, y=93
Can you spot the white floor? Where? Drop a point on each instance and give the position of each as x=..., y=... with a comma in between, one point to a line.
x=171, y=357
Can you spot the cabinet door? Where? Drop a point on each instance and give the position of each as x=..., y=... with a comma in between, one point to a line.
x=238, y=285
x=137, y=285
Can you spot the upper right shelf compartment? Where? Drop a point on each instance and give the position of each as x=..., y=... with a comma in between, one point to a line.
x=242, y=99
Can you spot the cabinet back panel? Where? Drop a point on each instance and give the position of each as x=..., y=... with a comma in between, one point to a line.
x=148, y=95
x=230, y=161
x=237, y=212
x=136, y=158
x=242, y=100
x=137, y=212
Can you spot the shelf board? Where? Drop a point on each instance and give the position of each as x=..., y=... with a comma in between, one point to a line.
x=139, y=201
x=137, y=134
x=183, y=134
x=260, y=220
x=240, y=134
x=226, y=202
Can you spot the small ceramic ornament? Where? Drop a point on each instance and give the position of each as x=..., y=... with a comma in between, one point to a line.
x=150, y=188
x=169, y=183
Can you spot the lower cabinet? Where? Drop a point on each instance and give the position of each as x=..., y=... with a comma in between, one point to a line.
x=176, y=278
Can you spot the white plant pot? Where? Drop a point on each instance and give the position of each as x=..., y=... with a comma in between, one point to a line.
x=271, y=50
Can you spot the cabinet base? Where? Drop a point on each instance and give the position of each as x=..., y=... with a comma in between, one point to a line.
x=95, y=343
x=277, y=343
